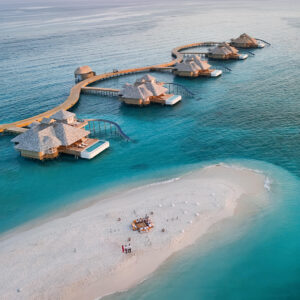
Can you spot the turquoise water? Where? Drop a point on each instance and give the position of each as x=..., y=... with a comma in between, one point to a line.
x=93, y=147
x=250, y=116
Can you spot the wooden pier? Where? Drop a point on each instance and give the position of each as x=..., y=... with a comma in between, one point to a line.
x=75, y=92
x=15, y=130
x=100, y=91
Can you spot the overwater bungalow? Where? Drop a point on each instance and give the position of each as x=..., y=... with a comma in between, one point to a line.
x=224, y=51
x=193, y=66
x=147, y=90
x=246, y=41
x=61, y=133
x=82, y=73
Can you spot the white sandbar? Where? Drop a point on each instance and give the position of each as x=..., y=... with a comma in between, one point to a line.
x=79, y=256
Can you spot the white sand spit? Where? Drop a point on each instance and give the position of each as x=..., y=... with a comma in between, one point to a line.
x=79, y=256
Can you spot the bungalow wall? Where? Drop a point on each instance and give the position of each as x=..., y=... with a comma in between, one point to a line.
x=205, y=73
x=185, y=74
x=139, y=102
x=81, y=77
x=38, y=155
x=222, y=56
x=218, y=56
x=243, y=45
x=159, y=99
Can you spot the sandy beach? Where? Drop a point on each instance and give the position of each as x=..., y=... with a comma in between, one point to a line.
x=79, y=256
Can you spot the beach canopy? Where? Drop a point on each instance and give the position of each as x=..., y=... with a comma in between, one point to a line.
x=244, y=39
x=83, y=70
x=223, y=49
x=135, y=91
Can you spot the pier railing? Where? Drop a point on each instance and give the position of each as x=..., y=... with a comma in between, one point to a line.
x=100, y=91
x=263, y=41
x=178, y=89
x=105, y=127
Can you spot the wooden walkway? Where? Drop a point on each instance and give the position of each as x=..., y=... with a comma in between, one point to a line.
x=100, y=91
x=15, y=129
x=74, y=95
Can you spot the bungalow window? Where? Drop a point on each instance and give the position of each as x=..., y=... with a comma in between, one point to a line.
x=51, y=150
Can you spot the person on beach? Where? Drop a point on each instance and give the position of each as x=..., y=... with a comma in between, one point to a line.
x=123, y=248
x=126, y=249
x=129, y=248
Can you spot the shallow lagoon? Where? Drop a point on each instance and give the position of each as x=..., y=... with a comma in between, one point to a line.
x=249, y=114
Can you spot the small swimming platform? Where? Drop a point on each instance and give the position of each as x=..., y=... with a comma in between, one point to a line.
x=173, y=100
x=94, y=149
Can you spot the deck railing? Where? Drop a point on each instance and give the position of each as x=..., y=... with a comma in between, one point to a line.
x=100, y=91
x=105, y=127
x=178, y=89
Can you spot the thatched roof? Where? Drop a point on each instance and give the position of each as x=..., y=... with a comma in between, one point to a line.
x=47, y=121
x=148, y=81
x=68, y=134
x=244, y=39
x=156, y=89
x=56, y=134
x=34, y=124
x=188, y=65
x=135, y=91
x=62, y=115
x=144, y=79
x=203, y=64
x=148, y=78
x=223, y=49
x=83, y=70
x=37, y=141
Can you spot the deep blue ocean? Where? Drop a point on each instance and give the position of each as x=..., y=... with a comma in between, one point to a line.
x=249, y=117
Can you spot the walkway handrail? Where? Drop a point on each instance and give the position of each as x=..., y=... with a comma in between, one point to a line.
x=121, y=132
x=222, y=67
x=263, y=41
x=249, y=52
x=182, y=87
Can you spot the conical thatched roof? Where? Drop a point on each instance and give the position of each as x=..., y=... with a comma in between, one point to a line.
x=203, y=64
x=244, y=39
x=135, y=91
x=223, y=49
x=62, y=115
x=83, y=70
